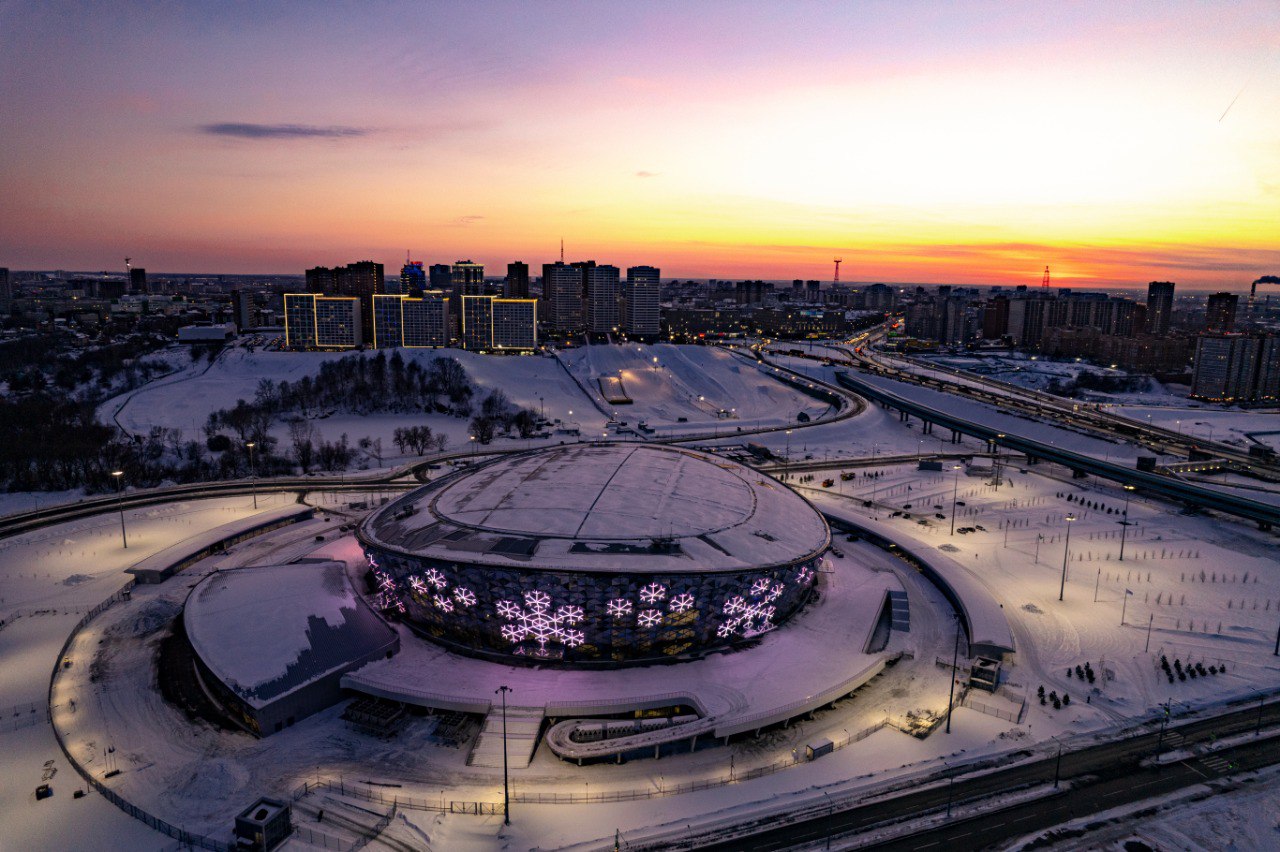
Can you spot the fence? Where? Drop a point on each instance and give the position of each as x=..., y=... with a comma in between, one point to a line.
x=1006, y=715
x=181, y=835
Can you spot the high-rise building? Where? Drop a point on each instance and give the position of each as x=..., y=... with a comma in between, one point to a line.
x=440, y=277
x=477, y=323
x=516, y=285
x=362, y=280
x=322, y=322
x=1220, y=312
x=562, y=295
x=138, y=281
x=413, y=278
x=246, y=309
x=602, y=292
x=467, y=278
x=641, y=301
x=322, y=280
x=411, y=321
x=995, y=318
x=1159, y=307
x=6, y=289
x=515, y=325
x=1237, y=368
x=495, y=324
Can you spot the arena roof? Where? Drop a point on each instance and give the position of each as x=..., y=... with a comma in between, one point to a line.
x=268, y=631
x=605, y=507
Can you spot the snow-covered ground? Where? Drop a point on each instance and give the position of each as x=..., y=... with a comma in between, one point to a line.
x=683, y=392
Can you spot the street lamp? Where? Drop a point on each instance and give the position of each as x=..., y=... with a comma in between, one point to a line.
x=955, y=492
x=787, y=470
x=506, y=790
x=999, y=438
x=955, y=667
x=1066, y=550
x=253, y=471
x=1124, y=518
x=119, y=477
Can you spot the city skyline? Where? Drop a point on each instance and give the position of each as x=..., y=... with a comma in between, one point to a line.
x=1116, y=145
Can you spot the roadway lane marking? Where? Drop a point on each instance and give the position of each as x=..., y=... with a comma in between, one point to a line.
x=1025, y=818
x=1193, y=769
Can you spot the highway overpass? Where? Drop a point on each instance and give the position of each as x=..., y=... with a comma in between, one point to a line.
x=1264, y=514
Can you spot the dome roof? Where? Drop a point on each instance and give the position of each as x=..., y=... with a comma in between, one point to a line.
x=599, y=506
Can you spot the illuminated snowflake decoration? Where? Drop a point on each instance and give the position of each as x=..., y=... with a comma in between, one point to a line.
x=681, y=602
x=649, y=618
x=386, y=584
x=443, y=603
x=537, y=621
x=388, y=594
x=619, y=607
x=435, y=578
x=417, y=585
x=653, y=593
x=464, y=596
x=750, y=617
x=806, y=573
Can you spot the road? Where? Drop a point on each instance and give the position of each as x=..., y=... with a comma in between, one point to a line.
x=1103, y=776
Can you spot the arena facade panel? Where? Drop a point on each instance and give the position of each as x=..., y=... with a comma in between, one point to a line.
x=596, y=554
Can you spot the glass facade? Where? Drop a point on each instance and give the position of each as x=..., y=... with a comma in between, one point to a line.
x=583, y=617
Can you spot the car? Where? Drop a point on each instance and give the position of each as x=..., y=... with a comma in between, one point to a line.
x=896, y=515
x=960, y=503
x=962, y=531
x=837, y=553
x=979, y=528
x=939, y=508
x=940, y=516
x=907, y=506
x=852, y=537
x=923, y=522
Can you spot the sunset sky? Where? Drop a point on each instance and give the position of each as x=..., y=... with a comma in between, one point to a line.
x=945, y=142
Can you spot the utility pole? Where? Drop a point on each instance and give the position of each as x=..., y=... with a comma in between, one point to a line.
x=955, y=668
x=1151, y=619
x=955, y=492
x=253, y=472
x=1057, y=767
x=124, y=539
x=1124, y=519
x=506, y=788
x=1066, y=551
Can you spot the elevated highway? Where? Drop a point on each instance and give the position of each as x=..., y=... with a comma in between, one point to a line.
x=1265, y=515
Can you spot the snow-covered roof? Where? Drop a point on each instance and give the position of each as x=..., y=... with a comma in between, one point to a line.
x=605, y=507
x=267, y=631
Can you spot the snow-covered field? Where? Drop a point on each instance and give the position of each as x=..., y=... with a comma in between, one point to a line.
x=683, y=392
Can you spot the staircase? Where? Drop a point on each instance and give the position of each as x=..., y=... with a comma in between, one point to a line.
x=900, y=611
x=524, y=725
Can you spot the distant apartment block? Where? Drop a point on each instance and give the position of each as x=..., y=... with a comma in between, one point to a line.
x=495, y=324
x=1159, y=307
x=312, y=321
x=640, y=302
x=516, y=285
x=562, y=295
x=411, y=321
x=1237, y=368
x=602, y=293
x=1220, y=312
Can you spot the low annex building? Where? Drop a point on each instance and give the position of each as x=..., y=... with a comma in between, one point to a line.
x=272, y=643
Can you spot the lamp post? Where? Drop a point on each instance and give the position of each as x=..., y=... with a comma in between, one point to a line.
x=1066, y=550
x=787, y=470
x=119, y=477
x=1124, y=518
x=955, y=667
x=955, y=492
x=506, y=790
x=253, y=474
x=999, y=438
